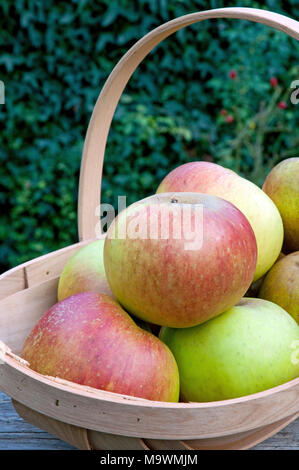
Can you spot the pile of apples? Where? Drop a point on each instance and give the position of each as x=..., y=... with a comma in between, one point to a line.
x=157, y=309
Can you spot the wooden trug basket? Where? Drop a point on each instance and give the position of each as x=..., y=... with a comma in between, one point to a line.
x=89, y=418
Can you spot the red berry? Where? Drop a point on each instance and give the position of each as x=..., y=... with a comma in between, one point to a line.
x=282, y=105
x=273, y=82
x=229, y=118
x=223, y=112
x=232, y=74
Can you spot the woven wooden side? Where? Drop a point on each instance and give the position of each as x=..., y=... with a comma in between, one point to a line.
x=87, y=439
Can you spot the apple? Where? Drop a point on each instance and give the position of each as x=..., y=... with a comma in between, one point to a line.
x=281, y=285
x=282, y=186
x=179, y=259
x=89, y=339
x=263, y=215
x=84, y=271
x=249, y=348
x=256, y=285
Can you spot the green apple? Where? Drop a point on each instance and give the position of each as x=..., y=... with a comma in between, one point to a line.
x=247, y=349
x=281, y=285
x=84, y=271
x=282, y=186
x=263, y=215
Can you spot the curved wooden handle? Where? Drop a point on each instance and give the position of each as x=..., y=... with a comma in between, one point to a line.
x=98, y=129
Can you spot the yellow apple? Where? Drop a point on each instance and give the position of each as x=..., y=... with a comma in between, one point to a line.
x=84, y=271
x=281, y=285
x=282, y=186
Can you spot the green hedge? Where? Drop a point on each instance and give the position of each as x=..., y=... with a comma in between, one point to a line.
x=177, y=107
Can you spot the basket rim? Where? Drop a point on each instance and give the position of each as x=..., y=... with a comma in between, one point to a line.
x=17, y=362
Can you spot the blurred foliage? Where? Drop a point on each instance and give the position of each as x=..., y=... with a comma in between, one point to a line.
x=183, y=103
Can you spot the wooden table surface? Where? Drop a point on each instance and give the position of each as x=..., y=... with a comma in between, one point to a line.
x=16, y=434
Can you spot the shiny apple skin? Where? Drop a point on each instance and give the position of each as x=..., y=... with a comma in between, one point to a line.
x=89, y=339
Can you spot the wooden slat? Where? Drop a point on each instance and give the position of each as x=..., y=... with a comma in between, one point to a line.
x=104, y=441
x=72, y=434
x=19, y=312
x=12, y=283
x=40, y=269
x=241, y=441
x=17, y=434
x=50, y=266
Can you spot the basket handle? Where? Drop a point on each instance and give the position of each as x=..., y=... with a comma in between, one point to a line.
x=98, y=129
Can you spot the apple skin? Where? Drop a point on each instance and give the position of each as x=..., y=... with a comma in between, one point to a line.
x=282, y=186
x=263, y=215
x=89, y=339
x=281, y=284
x=84, y=272
x=161, y=282
x=248, y=349
x=253, y=290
